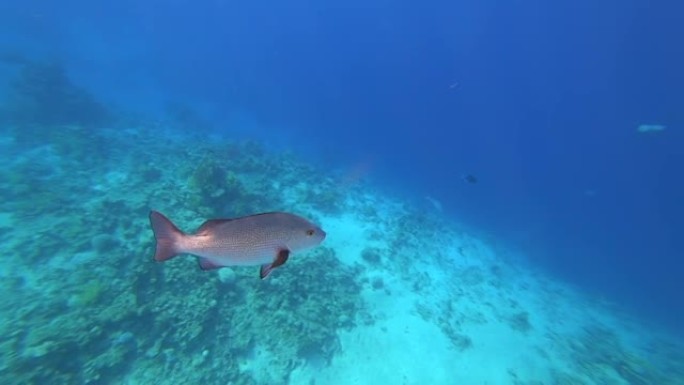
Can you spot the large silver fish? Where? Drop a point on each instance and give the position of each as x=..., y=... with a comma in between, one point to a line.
x=262, y=239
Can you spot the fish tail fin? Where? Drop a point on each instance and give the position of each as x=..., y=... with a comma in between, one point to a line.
x=168, y=237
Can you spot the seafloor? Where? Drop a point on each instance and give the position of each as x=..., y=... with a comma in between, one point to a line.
x=395, y=295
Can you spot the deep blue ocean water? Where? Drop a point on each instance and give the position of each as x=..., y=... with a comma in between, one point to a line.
x=539, y=100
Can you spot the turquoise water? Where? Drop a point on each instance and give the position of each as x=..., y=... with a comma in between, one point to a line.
x=500, y=185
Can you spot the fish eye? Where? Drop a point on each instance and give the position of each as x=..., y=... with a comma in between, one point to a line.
x=310, y=232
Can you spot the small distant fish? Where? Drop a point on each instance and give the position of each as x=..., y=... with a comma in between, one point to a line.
x=650, y=128
x=437, y=205
x=263, y=239
x=470, y=178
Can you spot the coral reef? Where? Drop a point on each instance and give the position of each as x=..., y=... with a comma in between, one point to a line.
x=297, y=317
x=520, y=321
x=326, y=198
x=372, y=255
x=113, y=312
x=598, y=354
x=215, y=188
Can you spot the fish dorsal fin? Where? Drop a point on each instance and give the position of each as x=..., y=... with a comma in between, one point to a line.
x=210, y=225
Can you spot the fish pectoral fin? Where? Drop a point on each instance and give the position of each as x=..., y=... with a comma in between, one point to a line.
x=280, y=260
x=206, y=264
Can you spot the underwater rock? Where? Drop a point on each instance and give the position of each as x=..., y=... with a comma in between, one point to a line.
x=471, y=276
x=461, y=341
x=88, y=294
x=520, y=322
x=372, y=255
x=150, y=174
x=326, y=198
x=43, y=97
x=104, y=243
x=227, y=276
x=215, y=187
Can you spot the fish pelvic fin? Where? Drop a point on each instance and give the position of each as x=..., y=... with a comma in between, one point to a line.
x=167, y=235
x=206, y=264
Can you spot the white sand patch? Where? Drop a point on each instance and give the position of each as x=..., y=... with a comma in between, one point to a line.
x=489, y=297
x=400, y=350
x=348, y=236
x=257, y=364
x=72, y=262
x=113, y=178
x=403, y=348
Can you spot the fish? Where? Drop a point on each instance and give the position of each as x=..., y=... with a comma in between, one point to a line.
x=470, y=178
x=651, y=128
x=264, y=240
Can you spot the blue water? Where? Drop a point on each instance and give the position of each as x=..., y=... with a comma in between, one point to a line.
x=539, y=100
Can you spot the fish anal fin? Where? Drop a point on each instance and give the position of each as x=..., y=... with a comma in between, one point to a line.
x=265, y=270
x=206, y=264
x=280, y=259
